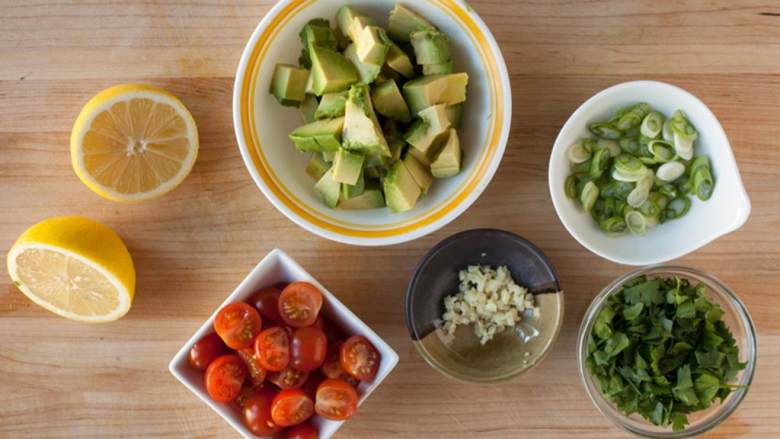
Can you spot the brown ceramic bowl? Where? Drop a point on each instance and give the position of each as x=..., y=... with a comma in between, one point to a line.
x=510, y=352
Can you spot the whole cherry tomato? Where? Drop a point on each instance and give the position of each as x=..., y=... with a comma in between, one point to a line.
x=308, y=347
x=205, y=350
x=359, y=358
x=257, y=413
x=289, y=378
x=291, y=407
x=266, y=301
x=272, y=348
x=299, y=304
x=238, y=324
x=256, y=371
x=336, y=400
x=303, y=431
x=224, y=378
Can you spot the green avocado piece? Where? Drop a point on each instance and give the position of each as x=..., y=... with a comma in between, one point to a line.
x=329, y=155
x=331, y=105
x=455, y=114
x=362, y=132
x=401, y=191
x=437, y=118
x=344, y=17
x=437, y=69
x=430, y=47
x=318, y=136
x=288, y=84
x=307, y=108
x=357, y=26
x=404, y=21
x=349, y=191
x=347, y=166
x=372, y=45
x=328, y=189
x=423, y=157
x=331, y=71
x=431, y=90
x=316, y=32
x=367, y=73
x=389, y=101
x=425, y=140
x=448, y=162
x=422, y=176
x=395, y=139
x=317, y=167
x=386, y=74
x=369, y=199
x=399, y=61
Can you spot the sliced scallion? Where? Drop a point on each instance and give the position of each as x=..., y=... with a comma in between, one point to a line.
x=670, y=171
x=703, y=183
x=652, y=124
x=635, y=222
x=570, y=186
x=661, y=151
x=605, y=130
x=677, y=208
x=577, y=153
x=599, y=163
x=589, y=195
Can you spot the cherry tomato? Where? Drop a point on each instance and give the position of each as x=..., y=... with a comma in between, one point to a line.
x=336, y=400
x=256, y=371
x=289, y=378
x=205, y=350
x=272, y=348
x=359, y=358
x=247, y=391
x=308, y=347
x=319, y=323
x=257, y=413
x=224, y=378
x=266, y=301
x=303, y=431
x=238, y=324
x=311, y=384
x=299, y=304
x=332, y=369
x=291, y=407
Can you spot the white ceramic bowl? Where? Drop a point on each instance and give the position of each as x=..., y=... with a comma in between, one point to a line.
x=726, y=211
x=275, y=268
x=262, y=125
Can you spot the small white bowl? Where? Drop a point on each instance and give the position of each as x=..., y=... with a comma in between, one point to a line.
x=278, y=169
x=275, y=268
x=726, y=211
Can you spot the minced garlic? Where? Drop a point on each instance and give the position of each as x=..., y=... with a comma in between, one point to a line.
x=489, y=299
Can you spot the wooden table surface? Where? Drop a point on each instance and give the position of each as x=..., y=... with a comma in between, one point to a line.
x=67, y=380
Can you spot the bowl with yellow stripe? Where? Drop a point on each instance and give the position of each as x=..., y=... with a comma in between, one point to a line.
x=278, y=169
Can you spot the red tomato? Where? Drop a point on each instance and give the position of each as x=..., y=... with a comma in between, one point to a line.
x=257, y=413
x=247, y=391
x=272, y=348
x=303, y=431
x=256, y=371
x=289, y=378
x=319, y=323
x=224, y=378
x=308, y=347
x=359, y=358
x=311, y=384
x=332, y=367
x=205, y=350
x=299, y=304
x=267, y=302
x=291, y=407
x=336, y=400
x=238, y=324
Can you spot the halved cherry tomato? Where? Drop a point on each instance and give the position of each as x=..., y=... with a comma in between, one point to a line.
x=257, y=413
x=205, y=350
x=224, y=378
x=303, y=431
x=272, y=348
x=291, y=407
x=256, y=371
x=336, y=400
x=311, y=384
x=332, y=369
x=359, y=358
x=266, y=301
x=308, y=347
x=299, y=304
x=289, y=378
x=238, y=324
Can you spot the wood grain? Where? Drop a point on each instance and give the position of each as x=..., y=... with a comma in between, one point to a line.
x=66, y=380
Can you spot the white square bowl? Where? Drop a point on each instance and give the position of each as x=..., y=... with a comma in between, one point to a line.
x=278, y=267
x=726, y=211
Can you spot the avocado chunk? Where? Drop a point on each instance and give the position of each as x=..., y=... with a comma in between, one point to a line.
x=318, y=136
x=367, y=73
x=372, y=45
x=288, y=84
x=331, y=105
x=448, y=162
x=404, y=21
x=349, y=191
x=328, y=189
x=401, y=192
x=317, y=167
x=316, y=32
x=395, y=140
x=369, y=199
x=436, y=116
x=330, y=71
x=437, y=69
x=425, y=140
x=389, y=102
x=386, y=74
x=308, y=108
x=423, y=157
x=329, y=155
x=347, y=166
x=431, y=90
x=455, y=114
x=344, y=18
x=430, y=47
x=422, y=176
x=362, y=132
x=399, y=61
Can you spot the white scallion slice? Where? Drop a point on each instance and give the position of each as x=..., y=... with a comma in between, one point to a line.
x=652, y=125
x=639, y=195
x=636, y=222
x=577, y=153
x=670, y=171
x=683, y=147
x=666, y=132
x=589, y=195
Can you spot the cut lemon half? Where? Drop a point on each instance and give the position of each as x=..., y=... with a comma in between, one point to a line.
x=74, y=267
x=133, y=142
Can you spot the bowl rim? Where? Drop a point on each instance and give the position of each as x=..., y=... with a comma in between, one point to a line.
x=723, y=290
x=432, y=253
x=719, y=132
x=429, y=221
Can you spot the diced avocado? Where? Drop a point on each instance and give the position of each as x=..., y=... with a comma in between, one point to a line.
x=288, y=84
x=421, y=156
x=448, y=161
x=344, y=17
x=423, y=92
x=316, y=32
x=372, y=45
x=436, y=116
x=455, y=114
x=388, y=101
x=347, y=166
x=318, y=136
x=362, y=132
x=424, y=139
x=328, y=189
x=331, y=71
x=395, y=139
x=358, y=25
x=331, y=105
x=310, y=85
x=401, y=192
x=430, y=47
x=317, y=167
x=329, y=155
x=437, y=69
x=404, y=21
x=388, y=73
x=399, y=61
x=307, y=108
x=422, y=176
x=349, y=191
x=369, y=199
x=367, y=73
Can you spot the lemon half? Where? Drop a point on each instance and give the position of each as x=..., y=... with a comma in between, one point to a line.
x=133, y=142
x=74, y=267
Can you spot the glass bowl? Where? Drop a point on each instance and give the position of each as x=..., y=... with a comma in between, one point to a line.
x=736, y=318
